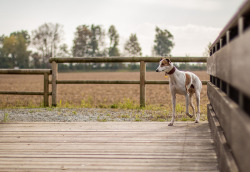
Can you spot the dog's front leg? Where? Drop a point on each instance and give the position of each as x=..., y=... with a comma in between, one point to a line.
x=187, y=105
x=173, y=107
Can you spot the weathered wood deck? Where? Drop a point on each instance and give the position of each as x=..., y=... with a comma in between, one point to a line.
x=109, y=146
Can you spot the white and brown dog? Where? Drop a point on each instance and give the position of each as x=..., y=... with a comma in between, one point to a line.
x=184, y=83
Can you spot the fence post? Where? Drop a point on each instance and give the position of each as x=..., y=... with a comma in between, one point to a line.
x=142, y=84
x=54, y=86
x=46, y=90
x=240, y=25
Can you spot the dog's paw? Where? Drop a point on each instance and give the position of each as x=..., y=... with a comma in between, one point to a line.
x=170, y=124
x=196, y=121
x=190, y=116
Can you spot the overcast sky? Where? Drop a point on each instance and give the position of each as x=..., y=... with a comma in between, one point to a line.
x=194, y=23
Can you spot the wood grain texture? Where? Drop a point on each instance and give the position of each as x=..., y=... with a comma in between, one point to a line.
x=109, y=146
x=234, y=123
x=125, y=59
x=231, y=63
x=54, y=85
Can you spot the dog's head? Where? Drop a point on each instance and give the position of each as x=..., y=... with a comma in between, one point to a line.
x=164, y=65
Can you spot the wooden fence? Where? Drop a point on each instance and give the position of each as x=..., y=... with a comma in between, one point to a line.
x=142, y=80
x=44, y=72
x=229, y=92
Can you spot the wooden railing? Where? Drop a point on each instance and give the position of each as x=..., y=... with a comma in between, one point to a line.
x=229, y=92
x=141, y=60
x=44, y=72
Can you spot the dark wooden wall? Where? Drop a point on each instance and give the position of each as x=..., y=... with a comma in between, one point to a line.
x=229, y=92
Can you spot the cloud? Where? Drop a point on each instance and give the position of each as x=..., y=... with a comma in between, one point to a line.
x=201, y=5
x=189, y=39
x=192, y=39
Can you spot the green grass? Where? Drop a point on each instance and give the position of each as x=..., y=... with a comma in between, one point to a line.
x=5, y=117
x=151, y=112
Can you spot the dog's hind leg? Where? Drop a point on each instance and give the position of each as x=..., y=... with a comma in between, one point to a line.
x=197, y=94
x=173, y=105
x=191, y=103
x=187, y=105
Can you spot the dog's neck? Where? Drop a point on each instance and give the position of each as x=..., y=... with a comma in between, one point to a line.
x=171, y=71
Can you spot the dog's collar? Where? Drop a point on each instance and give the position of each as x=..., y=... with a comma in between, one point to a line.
x=171, y=71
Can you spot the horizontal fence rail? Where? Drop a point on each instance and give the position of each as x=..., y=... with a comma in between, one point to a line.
x=26, y=71
x=111, y=82
x=24, y=93
x=142, y=82
x=44, y=72
x=125, y=59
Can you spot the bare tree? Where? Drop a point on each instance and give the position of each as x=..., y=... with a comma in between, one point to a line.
x=46, y=40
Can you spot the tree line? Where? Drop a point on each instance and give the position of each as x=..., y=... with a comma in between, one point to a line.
x=23, y=50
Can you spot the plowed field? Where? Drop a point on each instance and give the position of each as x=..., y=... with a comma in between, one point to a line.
x=93, y=95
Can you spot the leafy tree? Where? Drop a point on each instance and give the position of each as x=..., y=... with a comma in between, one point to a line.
x=88, y=41
x=97, y=41
x=63, y=51
x=22, y=55
x=25, y=35
x=36, y=60
x=81, y=41
x=5, y=61
x=14, y=51
x=132, y=46
x=46, y=39
x=163, y=42
x=114, y=41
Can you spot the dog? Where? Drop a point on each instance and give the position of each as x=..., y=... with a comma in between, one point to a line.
x=184, y=83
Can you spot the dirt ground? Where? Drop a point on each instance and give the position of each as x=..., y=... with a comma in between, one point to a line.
x=95, y=95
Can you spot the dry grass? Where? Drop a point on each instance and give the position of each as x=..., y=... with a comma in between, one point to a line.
x=95, y=95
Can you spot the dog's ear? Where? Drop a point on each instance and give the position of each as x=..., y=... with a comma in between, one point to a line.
x=162, y=59
x=168, y=60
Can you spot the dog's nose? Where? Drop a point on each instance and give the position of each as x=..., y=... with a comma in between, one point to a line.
x=157, y=70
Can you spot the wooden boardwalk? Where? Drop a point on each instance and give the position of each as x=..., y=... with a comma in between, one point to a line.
x=107, y=146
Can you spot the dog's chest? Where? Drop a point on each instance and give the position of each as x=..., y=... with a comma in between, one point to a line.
x=177, y=85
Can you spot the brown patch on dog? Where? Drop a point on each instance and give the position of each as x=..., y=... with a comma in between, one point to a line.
x=188, y=79
x=191, y=90
x=165, y=62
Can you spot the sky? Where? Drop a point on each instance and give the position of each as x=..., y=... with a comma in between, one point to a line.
x=193, y=23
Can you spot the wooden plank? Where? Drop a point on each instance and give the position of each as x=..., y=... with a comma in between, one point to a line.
x=22, y=92
x=235, y=124
x=46, y=90
x=96, y=82
x=225, y=158
x=118, y=168
x=142, y=84
x=85, y=133
x=124, y=161
x=112, y=82
x=106, y=146
x=125, y=59
x=231, y=63
x=100, y=164
x=105, y=126
x=26, y=71
x=222, y=107
x=54, y=85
